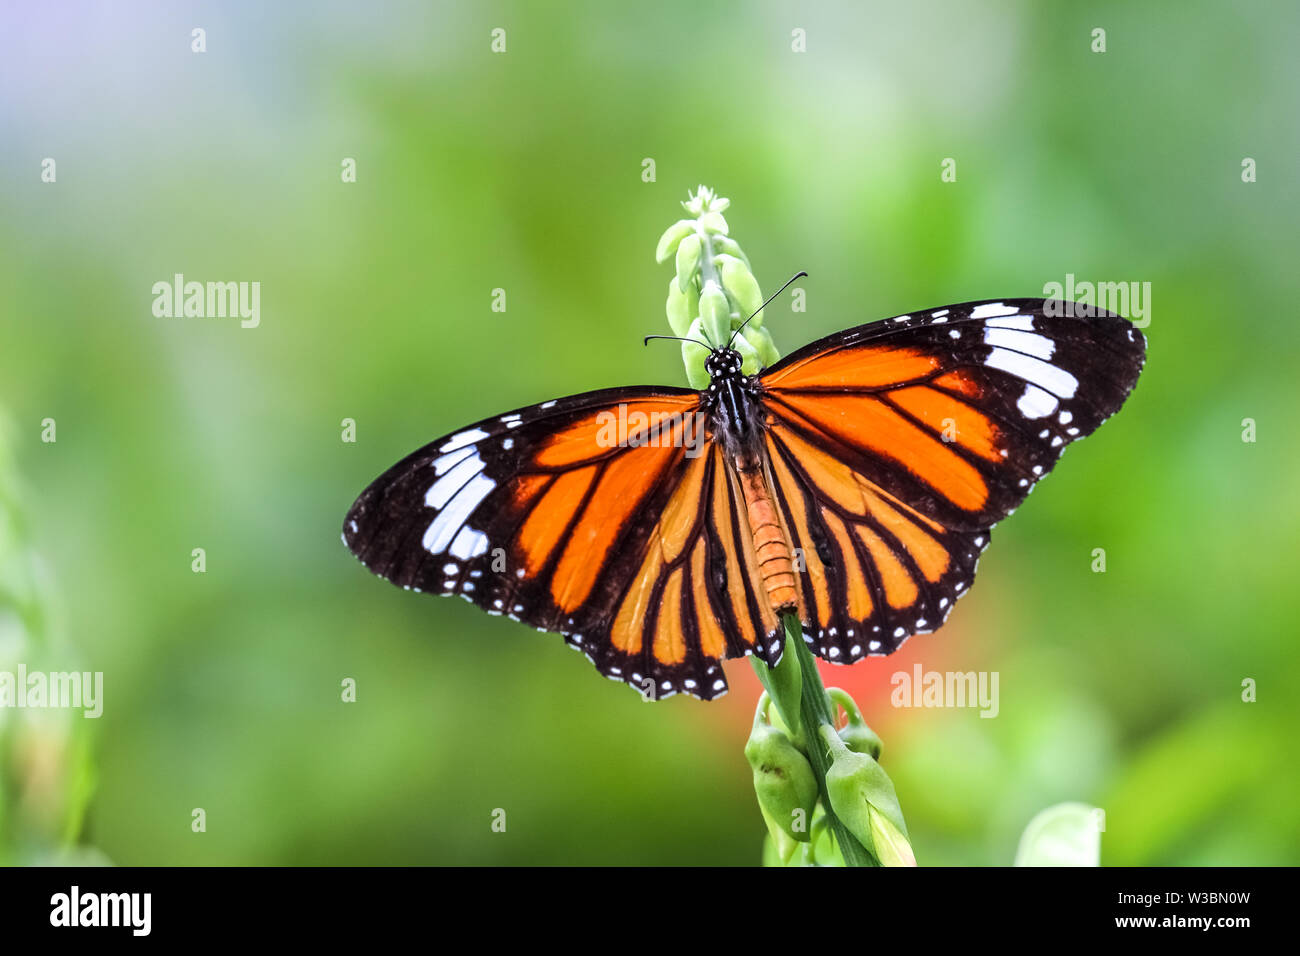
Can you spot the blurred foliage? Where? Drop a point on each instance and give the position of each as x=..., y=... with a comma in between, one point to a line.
x=522, y=171
x=46, y=771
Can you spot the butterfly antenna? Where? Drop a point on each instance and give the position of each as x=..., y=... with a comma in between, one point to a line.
x=677, y=338
x=797, y=275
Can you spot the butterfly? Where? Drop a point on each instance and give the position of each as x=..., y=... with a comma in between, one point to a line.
x=854, y=483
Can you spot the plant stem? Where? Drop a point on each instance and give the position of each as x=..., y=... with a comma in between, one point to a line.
x=814, y=709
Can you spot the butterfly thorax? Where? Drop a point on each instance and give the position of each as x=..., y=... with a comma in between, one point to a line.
x=731, y=402
x=736, y=422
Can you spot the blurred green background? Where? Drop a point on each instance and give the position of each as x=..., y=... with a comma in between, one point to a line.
x=523, y=171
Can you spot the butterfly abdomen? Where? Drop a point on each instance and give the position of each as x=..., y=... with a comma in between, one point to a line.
x=771, y=549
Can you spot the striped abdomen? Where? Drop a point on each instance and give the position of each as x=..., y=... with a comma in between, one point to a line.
x=771, y=549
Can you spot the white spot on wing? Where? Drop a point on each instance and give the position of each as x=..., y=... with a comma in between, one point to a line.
x=1025, y=323
x=1043, y=374
x=468, y=543
x=1031, y=343
x=440, y=465
x=463, y=439
x=1036, y=403
x=442, y=490
x=990, y=309
x=449, y=521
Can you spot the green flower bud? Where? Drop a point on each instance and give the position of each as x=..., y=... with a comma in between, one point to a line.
x=782, y=846
x=682, y=307
x=672, y=236
x=732, y=248
x=761, y=339
x=857, y=736
x=695, y=355
x=863, y=797
x=720, y=204
x=716, y=313
x=741, y=286
x=688, y=260
x=783, y=778
x=749, y=360
x=714, y=222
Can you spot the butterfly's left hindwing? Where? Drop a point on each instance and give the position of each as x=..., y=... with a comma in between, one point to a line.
x=574, y=517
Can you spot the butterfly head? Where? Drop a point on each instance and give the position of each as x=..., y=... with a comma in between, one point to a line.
x=723, y=363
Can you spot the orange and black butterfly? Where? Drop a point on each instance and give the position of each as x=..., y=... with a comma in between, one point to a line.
x=855, y=483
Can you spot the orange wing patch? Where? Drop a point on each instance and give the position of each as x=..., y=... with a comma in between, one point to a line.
x=712, y=641
x=931, y=557
x=875, y=366
x=959, y=383
x=900, y=589
x=859, y=595
x=866, y=423
x=655, y=423
x=626, y=482
x=670, y=643
x=632, y=612
x=548, y=519
x=682, y=514
x=526, y=488
x=954, y=420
